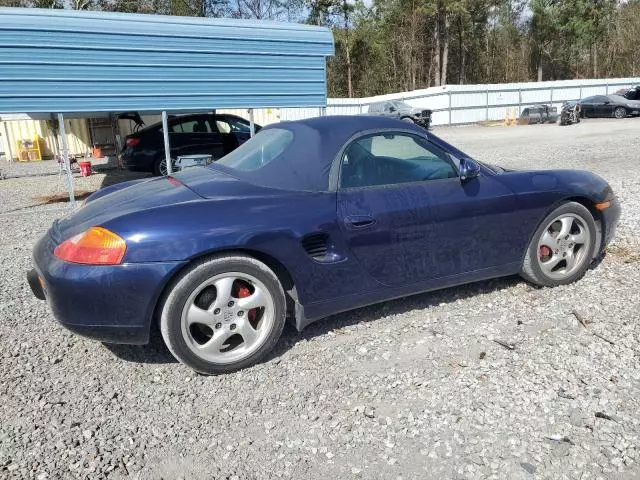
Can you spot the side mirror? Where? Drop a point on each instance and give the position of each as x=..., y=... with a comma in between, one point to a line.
x=392, y=109
x=469, y=169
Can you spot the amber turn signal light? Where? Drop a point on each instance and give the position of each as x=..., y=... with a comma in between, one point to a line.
x=96, y=246
x=603, y=205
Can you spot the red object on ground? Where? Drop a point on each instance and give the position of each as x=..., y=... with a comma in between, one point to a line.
x=85, y=168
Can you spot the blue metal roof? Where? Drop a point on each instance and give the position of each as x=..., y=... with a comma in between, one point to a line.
x=69, y=61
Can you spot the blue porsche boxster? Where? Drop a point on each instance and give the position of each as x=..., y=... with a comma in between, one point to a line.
x=308, y=219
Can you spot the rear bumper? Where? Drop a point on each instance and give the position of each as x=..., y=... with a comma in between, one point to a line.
x=113, y=304
x=137, y=161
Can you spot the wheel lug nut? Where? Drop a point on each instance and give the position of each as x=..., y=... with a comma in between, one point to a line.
x=233, y=326
x=216, y=311
x=230, y=304
x=218, y=325
x=566, y=237
x=240, y=313
x=564, y=254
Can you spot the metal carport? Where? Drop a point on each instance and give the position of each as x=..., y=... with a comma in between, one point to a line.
x=82, y=64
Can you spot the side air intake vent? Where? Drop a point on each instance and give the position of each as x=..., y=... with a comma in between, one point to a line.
x=316, y=245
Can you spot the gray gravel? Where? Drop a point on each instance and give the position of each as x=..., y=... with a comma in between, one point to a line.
x=415, y=388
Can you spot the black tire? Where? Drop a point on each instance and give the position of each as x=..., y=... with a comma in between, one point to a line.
x=181, y=289
x=157, y=166
x=531, y=270
x=620, y=112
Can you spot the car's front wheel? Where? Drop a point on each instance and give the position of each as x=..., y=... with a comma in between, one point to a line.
x=562, y=248
x=223, y=314
x=620, y=112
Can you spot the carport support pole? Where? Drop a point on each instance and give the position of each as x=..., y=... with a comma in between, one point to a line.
x=65, y=159
x=252, y=123
x=167, y=148
x=7, y=144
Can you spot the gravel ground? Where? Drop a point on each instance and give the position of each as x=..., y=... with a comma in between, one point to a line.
x=415, y=388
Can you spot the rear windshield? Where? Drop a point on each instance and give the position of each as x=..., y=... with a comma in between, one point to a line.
x=265, y=147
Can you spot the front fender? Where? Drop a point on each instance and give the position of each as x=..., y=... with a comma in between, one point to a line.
x=540, y=192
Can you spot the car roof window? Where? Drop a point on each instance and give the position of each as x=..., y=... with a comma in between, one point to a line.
x=265, y=147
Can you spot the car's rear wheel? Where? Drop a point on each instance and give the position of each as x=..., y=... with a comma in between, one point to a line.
x=620, y=112
x=160, y=167
x=562, y=248
x=223, y=314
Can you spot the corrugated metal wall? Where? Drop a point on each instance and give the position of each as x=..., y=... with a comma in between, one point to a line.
x=458, y=104
x=69, y=61
x=76, y=129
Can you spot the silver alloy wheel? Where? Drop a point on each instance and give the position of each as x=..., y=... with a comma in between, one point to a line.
x=228, y=327
x=163, y=167
x=563, y=246
x=620, y=112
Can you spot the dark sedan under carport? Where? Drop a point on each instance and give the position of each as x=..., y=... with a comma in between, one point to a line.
x=196, y=134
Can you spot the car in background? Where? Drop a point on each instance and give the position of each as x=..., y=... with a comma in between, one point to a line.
x=615, y=106
x=539, y=114
x=401, y=111
x=632, y=93
x=196, y=134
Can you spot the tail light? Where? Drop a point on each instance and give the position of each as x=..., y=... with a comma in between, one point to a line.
x=96, y=246
x=132, y=142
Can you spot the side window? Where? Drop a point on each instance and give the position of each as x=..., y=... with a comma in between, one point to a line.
x=193, y=125
x=239, y=126
x=223, y=126
x=390, y=159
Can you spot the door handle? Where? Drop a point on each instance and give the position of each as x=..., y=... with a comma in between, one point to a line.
x=359, y=221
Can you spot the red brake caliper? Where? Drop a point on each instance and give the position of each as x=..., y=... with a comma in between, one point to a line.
x=244, y=292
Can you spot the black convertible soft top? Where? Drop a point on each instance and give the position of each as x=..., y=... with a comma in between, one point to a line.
x=306, y=163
